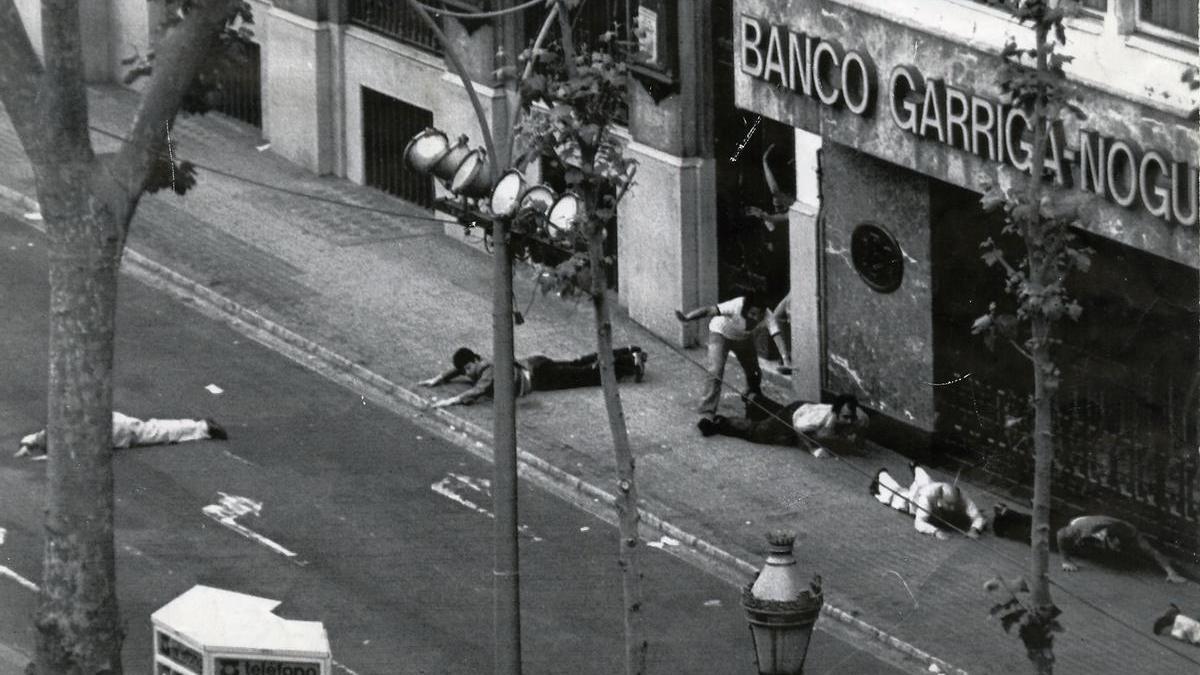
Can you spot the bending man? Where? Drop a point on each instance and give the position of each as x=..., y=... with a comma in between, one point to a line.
x=128, y=432
x=536, y=373
x=931, y=503
x=1112, y=536
x=809, y=425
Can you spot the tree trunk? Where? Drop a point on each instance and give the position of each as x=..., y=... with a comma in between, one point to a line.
x=78, y=624
x=627, y=499
x=1045, y=378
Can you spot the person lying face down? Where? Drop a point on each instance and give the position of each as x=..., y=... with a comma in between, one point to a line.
x=809, y=425
x=130, y=431
x=1089, y=534
x=1183, y=628
x=936, y=506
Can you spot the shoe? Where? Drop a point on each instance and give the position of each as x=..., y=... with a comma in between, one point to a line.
x=707, y=426
x=820, y=453
x=216, y=431
x=639, y=364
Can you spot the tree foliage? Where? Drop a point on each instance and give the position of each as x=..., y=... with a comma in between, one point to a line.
x=569, y=110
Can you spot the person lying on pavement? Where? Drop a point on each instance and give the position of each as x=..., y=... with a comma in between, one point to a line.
x=128, y=432
x=1182, y=627
x=1096, y=536
x=936, y=506
x=809, y=425
x=535, y=373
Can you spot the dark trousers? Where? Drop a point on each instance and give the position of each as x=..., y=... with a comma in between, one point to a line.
x=547, y=374
x=766, y=421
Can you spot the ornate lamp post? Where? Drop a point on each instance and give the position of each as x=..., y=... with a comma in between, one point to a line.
x=782, y=609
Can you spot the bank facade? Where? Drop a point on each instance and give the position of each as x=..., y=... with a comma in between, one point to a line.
x=900, y=125
x=883, y=122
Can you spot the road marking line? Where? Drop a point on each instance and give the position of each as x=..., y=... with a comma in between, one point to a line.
x=446, y=488
x=342, y=667
x=232, y=507
x=4, y=571
x=8, y=572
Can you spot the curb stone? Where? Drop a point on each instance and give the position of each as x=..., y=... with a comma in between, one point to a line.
x=462, y=432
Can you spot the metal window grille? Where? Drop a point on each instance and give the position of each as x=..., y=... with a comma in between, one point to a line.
x=1170, y=18
x=395, y=19
x=388, y=124
x=240, y=89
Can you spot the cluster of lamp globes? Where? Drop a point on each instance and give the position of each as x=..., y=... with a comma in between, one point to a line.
x=466, y=173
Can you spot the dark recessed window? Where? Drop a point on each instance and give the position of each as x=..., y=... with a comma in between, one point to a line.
x=877, y=257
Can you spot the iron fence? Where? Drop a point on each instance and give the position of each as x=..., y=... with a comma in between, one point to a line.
x=1129, y=448
x=240, y=88
x=395, y=19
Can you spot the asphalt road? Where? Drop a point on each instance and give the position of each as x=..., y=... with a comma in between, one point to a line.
x=388, y=524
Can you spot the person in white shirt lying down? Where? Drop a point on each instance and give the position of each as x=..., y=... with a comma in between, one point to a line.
x=1178, y=625
x=936, y=506
x=129, y=431
x=809, y=425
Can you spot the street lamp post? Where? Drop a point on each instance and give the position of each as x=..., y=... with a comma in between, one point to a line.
x=782, y=609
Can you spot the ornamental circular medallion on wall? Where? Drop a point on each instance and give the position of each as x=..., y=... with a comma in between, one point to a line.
x=877, y=257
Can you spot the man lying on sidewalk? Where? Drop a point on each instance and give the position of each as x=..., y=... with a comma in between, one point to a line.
x=809, y=425
x=536, y=373
x=930, y=503
x=1100, y=536
x=129, y=431
x=1182, y=627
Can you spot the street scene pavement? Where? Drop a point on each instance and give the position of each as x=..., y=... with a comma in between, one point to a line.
x=388, y=523
x=377, y=282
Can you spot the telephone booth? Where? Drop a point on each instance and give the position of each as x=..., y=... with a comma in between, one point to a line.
x=210, y=631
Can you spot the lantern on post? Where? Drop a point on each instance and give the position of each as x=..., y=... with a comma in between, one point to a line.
x=782, y=609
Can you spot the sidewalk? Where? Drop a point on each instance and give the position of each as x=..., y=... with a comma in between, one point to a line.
x=395, y=296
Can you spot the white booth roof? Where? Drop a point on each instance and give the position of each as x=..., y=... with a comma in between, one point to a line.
x=225, y=620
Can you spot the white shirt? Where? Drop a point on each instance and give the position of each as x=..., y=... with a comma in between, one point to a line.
x=730, y=322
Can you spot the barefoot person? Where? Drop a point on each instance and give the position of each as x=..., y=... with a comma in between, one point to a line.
x=536, y=373
x=128, y=432
x=1109, y=536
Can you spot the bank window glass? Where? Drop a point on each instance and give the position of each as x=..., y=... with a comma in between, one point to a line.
x=1173, y=19
x=1094, y=6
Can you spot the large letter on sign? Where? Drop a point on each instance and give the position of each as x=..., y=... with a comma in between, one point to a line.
x=752, y=58
x=904, y=85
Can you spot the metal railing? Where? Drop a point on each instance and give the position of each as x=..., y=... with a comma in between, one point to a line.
x=1129, y=447
x=239, y=88
x=395, y=19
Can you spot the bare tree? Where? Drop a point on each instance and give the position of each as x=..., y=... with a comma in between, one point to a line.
x=87, y=202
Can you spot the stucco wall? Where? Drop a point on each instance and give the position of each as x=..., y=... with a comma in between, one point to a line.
x=298, y=90
x=969, y=62
x=879, y=346
x=666, y=243
x=410, y=75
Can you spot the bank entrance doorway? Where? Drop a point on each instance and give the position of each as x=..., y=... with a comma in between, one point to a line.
x=752, y=251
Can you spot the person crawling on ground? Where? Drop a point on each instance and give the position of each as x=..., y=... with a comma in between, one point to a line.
x=128, y=432
x=1095, y=536
x=1182, y=627
x=936, y=506
x=536, y=373
x=809, y=425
